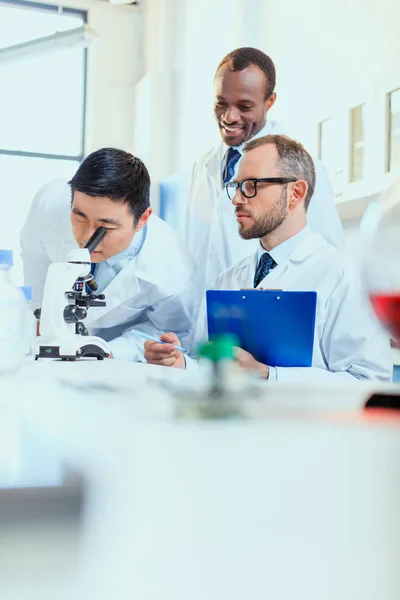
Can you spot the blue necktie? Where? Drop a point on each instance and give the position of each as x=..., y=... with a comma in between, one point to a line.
x=265, y=265
x=232, y=156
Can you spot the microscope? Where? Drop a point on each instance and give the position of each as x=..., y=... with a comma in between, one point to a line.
x=62, y=333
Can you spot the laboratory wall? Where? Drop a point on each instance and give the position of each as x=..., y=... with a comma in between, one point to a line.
x=150, y=81
x=114, y=67
x=330, y=58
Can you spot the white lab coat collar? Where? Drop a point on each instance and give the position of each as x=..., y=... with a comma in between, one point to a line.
x=308, y=246
x=214, y=161
x=282, y=252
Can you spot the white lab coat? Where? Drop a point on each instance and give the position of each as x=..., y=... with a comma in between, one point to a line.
x=211, y=230
x=348, y=340
x=152, y=293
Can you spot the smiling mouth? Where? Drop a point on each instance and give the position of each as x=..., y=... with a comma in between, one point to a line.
x=231, y=130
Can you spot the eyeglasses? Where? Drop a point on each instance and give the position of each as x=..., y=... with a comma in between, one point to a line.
x=248, y=187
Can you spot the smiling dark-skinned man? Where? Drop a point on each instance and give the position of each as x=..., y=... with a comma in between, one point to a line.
x=244, y=85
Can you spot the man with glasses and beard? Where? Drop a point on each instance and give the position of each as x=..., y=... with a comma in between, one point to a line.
x=270, y=193
x=244, y=85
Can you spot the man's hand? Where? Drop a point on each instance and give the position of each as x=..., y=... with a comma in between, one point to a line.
x=247, y=361
x=164, y=354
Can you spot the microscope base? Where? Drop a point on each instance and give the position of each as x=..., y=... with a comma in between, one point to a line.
x=72, y=347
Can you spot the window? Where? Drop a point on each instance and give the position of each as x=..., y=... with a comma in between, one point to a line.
x=330, y=152
x=357, y=135
x=393, y=136
x=326, y=145
x=42, y=113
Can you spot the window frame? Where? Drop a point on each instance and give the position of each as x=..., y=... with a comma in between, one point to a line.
x=65, y=10
x=321, y=136
x=356, y=145
x=389, y=130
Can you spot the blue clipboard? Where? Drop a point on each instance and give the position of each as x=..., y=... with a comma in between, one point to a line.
x=276, y=327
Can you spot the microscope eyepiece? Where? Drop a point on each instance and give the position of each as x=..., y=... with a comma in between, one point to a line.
x=96, y=238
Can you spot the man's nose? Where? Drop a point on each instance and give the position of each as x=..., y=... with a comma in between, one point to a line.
x=231, y=115
x=238, y=198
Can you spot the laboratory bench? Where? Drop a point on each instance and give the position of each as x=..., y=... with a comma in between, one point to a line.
x=108, y=492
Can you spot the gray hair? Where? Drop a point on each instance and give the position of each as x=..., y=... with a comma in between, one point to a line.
x=294, y=160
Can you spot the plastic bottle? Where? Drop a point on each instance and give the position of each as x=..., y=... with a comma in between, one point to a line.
x=225, y=388
x=30, y=325
x=219, y=353
x=12, y=318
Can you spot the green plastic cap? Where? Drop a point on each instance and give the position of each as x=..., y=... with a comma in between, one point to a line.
x=219, y=348
x=206, y=350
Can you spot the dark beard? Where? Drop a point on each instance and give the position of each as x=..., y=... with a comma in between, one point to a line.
x=268, y=222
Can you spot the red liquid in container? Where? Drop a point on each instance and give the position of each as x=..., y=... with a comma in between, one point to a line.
x=387, y=309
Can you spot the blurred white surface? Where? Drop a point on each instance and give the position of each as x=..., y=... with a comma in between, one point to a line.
x=298, y=503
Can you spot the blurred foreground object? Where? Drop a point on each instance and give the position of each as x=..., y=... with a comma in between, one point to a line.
x=300, y=500
x=12, y=318
x=381, y=265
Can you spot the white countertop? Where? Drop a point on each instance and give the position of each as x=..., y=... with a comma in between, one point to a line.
x=300, y=501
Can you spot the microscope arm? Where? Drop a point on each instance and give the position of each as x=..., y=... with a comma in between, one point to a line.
x=61, y=277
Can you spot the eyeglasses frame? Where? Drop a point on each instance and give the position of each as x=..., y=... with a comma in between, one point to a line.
x=256, y=180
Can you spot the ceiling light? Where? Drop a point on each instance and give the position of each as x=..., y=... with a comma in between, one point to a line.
x=81, y=37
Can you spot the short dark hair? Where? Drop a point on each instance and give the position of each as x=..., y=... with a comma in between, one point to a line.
x=294, y=160
x=117, y=175
x=241, y=58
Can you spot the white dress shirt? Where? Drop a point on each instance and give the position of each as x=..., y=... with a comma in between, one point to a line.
x=280, y=254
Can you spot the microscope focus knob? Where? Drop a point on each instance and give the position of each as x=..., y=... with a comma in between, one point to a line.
x=73, y=314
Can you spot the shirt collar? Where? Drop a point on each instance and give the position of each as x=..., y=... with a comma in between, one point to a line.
x=282, y=252
x=131, y=251
x=267, y=129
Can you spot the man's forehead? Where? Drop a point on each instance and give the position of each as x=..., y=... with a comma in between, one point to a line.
x=260, y=157
x=95, y=205
x=252, y=78
x=79, y=198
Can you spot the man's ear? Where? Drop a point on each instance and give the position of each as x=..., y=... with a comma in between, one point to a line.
x=144, y=218
x=270, y=101
x=297, y=193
